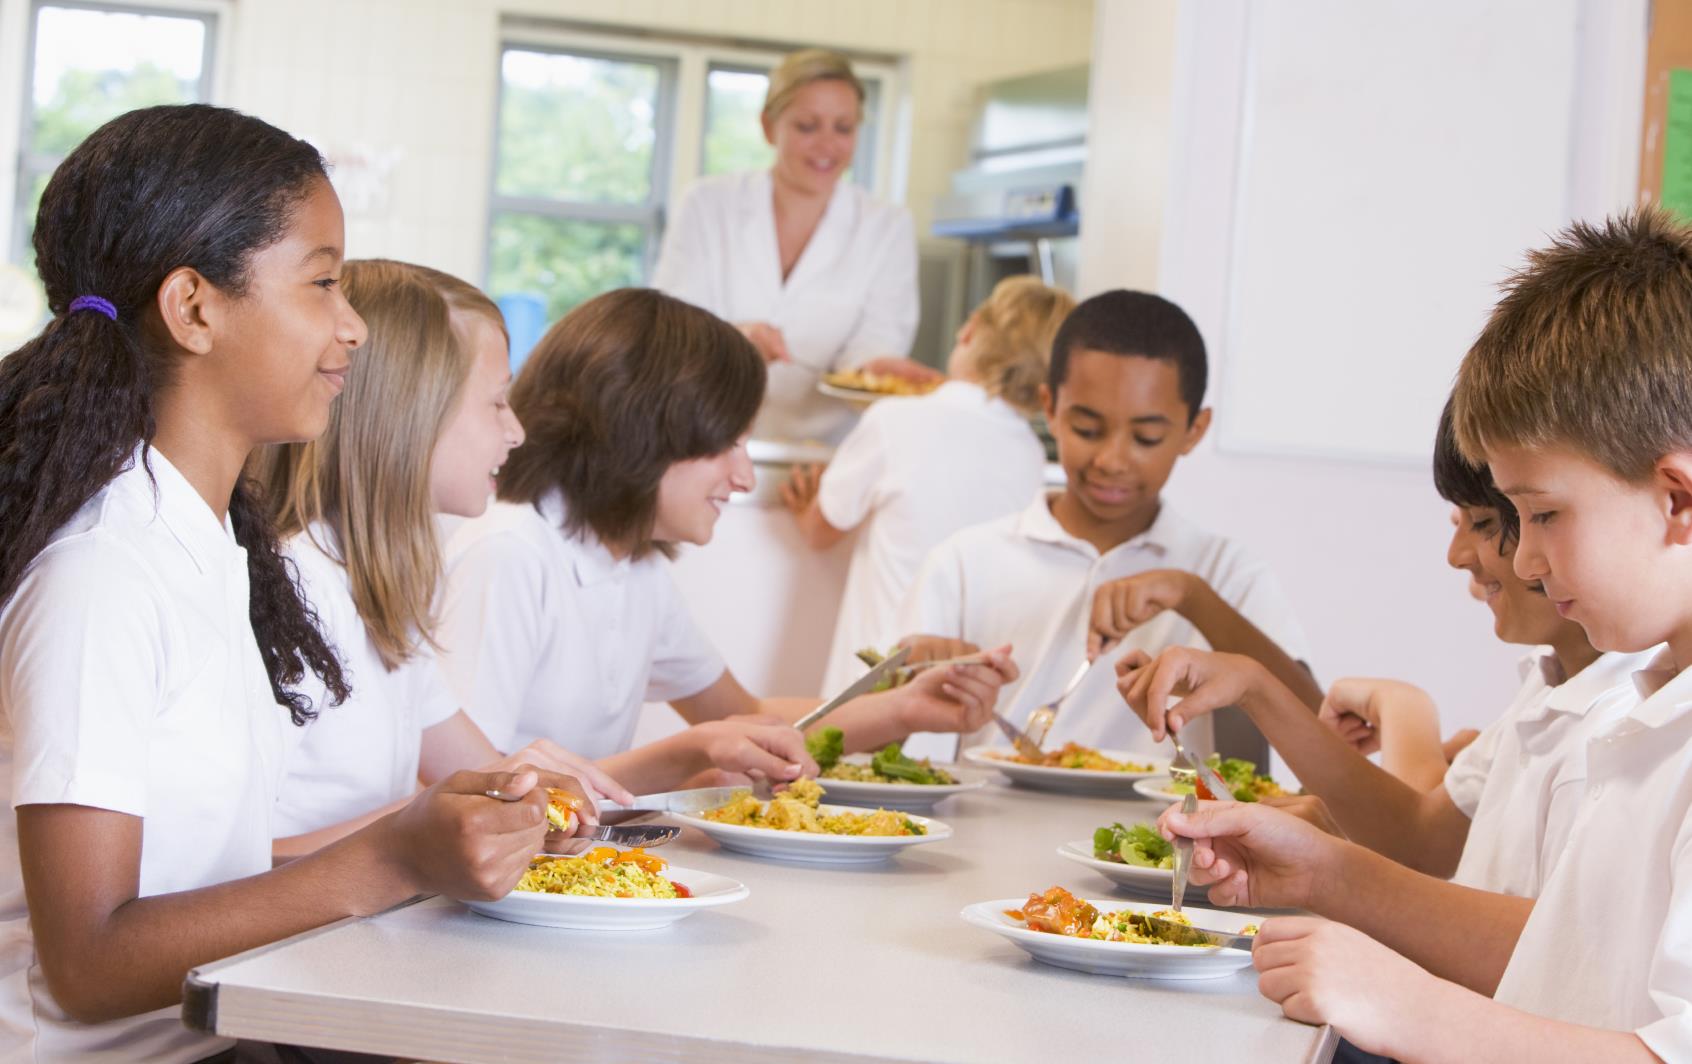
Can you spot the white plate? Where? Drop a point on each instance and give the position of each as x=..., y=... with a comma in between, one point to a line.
x=899, y=795
x=615, y=914
x=1068, y=780
x=1120, y=958
x=858, y=397
x=1136, y=876
x=1157, y=789
x=821, y=849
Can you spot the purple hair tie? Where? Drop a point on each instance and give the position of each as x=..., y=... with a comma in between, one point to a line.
x=104, y=306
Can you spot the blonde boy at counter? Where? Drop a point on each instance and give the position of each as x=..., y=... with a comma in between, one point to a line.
x=1105, y=565
x=356, y=508
x=1576, y=396
x=915, y=470
x=561, y=617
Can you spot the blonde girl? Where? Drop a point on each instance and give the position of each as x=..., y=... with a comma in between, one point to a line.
x=915, y=470
x=421, y=429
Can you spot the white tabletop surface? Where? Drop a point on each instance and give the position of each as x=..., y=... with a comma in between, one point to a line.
x=829, y=964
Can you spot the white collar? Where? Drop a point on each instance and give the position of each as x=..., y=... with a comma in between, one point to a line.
x=1666, y=691
x=1037, y=523
x=591, y=561
x=1579, y=693
x=210, y=543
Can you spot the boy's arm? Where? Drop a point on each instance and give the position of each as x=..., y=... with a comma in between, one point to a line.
x=1123, y=605
x=1322, y=972
x=799, y=495
x=1398, y=719
x=1423, y=831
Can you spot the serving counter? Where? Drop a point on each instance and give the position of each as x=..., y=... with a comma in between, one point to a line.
x=819, y=963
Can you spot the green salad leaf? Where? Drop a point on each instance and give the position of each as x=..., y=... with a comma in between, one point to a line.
x=1139, y=845
x=826, y=746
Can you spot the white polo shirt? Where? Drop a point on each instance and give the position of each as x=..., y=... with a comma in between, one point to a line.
x=547, y=635
x=1023, y=580
x=1520, y=781
x=362, y=754
x=1609, y=942
x=912, y=472
x=130, y=680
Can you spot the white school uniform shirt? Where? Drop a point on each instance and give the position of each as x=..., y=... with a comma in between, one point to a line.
x=545, y=634
x=130, y=680
x=1023, y=580
x=1609, y=942
x=850, y=298
x=362, y=754
x=1520, y=781
x=910, y=473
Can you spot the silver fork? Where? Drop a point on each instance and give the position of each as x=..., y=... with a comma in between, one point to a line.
x=1024, y=745
x=1040, y=721
x=1183, y=855
x=1183, y=767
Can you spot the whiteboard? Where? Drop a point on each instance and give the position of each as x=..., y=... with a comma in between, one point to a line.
x=1396, y=158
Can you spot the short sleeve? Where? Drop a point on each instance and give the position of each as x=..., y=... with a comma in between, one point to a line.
x=934, y=605
x=684, y=662
x=431, y=695
x=83, y=673
x=1466, y=777
x=492, y=629
x=1670, y=978
x=852, y=483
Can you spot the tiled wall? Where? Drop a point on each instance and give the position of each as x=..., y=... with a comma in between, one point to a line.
x=418, y=78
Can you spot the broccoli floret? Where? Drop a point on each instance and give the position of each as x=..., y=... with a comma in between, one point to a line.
x=826, y=746
x=891, y=762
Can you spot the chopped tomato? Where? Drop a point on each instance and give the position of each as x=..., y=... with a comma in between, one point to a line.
x=1201, y=790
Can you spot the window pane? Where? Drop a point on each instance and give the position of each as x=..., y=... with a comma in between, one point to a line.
x=561, y=261
x=734, y=136
x=91, y=66
x=577, y=128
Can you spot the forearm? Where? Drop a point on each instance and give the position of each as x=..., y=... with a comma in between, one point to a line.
x=814, y=528
x=1411, y=747
x=1227, y=631
x=452, y=745
x=1450, y=1024
x=868, y=722
x=153, y=942
x=294, y=846
x=1375, y=808
x=657, y=766
x=1462, y=935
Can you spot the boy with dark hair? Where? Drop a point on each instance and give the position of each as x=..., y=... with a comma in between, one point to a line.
x=1105, y=565
x=1578, y=396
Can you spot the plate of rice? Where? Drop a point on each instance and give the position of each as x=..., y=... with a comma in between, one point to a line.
x=854, y=780
x=796, y=826
x=1073, y=769
x=610, y=890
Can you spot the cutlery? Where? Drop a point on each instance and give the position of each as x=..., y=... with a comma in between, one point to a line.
x=1040, y=721
x=1183, y=857
x=1024, y=745
x=634, y=834
x=863, y=684
x=1187, y=935
x=1184, y=767
x=694, y=800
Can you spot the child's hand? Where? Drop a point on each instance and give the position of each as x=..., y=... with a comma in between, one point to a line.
x=1123, y=605
x=1321, y=972
x=1309, y=808
x=954, y=698
x=1205, y=680
x=800, y=491
x=1356, y=709
x=548, y=755
x=749, y=748
x=936, y=648
x=1254, y=855
x=454, y=839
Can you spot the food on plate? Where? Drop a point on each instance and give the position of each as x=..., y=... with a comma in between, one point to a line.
x=881, y=383
x=897, y=678
x=1074, y=755
x=825, y=746
x=1058, y=912
x=795, y=809
x=601, y=872
x=1139, y=845
x=1240, y=776
x=561, y=809
x=890, y=765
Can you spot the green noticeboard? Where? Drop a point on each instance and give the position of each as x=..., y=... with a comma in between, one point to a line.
x=1676, y=192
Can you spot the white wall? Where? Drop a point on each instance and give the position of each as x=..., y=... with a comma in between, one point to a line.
x=418, y=78
x=1359, y=545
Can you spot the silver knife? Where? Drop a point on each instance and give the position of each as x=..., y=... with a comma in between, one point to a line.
x=863, y=684
x=1213, y=782
x=1188, y=935
x=696, y=800
x=1183, y=856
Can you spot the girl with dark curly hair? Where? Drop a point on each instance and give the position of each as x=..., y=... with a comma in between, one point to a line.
x=151, y=635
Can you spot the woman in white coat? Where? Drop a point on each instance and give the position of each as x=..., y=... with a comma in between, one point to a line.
x=818, y=274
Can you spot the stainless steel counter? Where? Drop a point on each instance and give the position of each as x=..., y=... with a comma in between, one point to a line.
x=821, y=964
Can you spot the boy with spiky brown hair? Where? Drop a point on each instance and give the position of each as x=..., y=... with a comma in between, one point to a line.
x=1578, y=396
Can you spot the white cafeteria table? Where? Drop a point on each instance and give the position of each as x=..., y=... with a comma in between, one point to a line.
x=819, y=963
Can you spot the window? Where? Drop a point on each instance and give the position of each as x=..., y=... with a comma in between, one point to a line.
x=90, y=63
x=597, y=135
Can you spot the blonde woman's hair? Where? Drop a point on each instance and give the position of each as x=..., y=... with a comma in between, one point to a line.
x=1012, y=339
x=364, y=484
x=801, y=69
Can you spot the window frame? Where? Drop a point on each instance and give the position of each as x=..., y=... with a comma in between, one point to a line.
x=29, y=164
x=683, y=99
